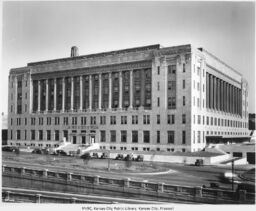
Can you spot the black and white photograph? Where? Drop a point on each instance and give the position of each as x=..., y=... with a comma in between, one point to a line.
x=127, y=105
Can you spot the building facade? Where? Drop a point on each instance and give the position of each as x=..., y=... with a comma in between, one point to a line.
x=147, y=98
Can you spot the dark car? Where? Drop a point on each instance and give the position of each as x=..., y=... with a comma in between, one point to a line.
x=104, y=155
x=61, y=152
x=199, y=162
x=8, y=148
x=37, y=151
x=85, y=156
x=139, y=158
x=119, y=157
x=128, y=157
x=95, y=155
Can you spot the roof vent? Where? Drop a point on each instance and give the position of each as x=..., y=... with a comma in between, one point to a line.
x=74, y=51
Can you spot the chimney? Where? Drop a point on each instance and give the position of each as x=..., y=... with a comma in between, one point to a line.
x=74, y=51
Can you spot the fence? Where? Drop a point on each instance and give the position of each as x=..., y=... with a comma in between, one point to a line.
x=68, y=182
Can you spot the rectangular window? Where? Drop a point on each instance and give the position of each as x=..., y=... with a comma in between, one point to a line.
x=18, y=135
x=134, y=119
x=207, y=120
x=102, y=120
x=112, y=120
x=123, y=120
x=158, y=119
x=40, y=135
x=26, y=121
x=93, y=120
x=158, y=102
x=184, y=68
x=199, y=119
x=25, y=135
x=57, y=135
x=198, y=136
x=171, y=102
x=183, y=118
x=102, y=136
x=146, y=136
x=134, y=136
x=171, y=69
x=49, y=121
x=184, y=84
x=123, y=136
x=158, y=70
x=146, y=119
x=74, y=120
x=171, y=119
x=183, y=137
x=113, y=136
x=170, y=137
x=48, y=134
x=83, y=120
x=57, y=120
x=194, y=137
x=158, y=86
x=158, y=137
x=33, y=134
x=184, y=100
x=65, y=120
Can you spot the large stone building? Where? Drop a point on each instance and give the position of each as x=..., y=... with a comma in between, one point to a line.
x=146, y=98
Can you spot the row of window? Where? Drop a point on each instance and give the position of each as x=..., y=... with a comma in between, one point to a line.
x=102, y=120
x=218, y=122
x=47, y=135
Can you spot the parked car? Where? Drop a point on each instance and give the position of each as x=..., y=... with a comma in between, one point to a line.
x=128, y=157
x=61, y=152
x=8, y=148
x=95, y=155
x=104, y=155
x=249, y=187
x=37, y=151
x=199, y=162
x=119, y=157
x=139, y=158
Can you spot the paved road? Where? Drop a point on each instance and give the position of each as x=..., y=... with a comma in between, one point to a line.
x=179, y=174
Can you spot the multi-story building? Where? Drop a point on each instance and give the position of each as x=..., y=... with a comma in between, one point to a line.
x=146, y=98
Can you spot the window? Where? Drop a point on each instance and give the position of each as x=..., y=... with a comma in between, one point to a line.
x=146, y=119
x=171, y=119
x=83, y=120
x=158, y=102
x=57, y=120
x=158, y=86
x=134, y=119
x=102, y=136
x=41, y=120
x=33, y=135
x=207, y=120
x=57, y=135
x=170, y=137
x=198, y=86
x=18, y=135
x=74, y=120
x=158, y=137
x=40, y=135
x=183, y=137
x=113, y=136
x=199, y=119
x=184, y=100
x=158, y=119
x=194, y=137
x=172, y=69
x=123, y=120
x=48, y=135
x=198, y=102
x=184, y=84
x=183, y=118
x=26, y=121
x=146, y=136
x=203, y=120
x=171, y=85
x=65, y=120
x=198, y=137
x=134, y=136
x=48, y=120
x=184, y=68
x=171, y=102
x=102, y=120
x=25, y=134
x=112, y=120
x=93, y=120
x=123, y=135
x=158, y=70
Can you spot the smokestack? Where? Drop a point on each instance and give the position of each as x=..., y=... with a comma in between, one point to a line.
x=74, y=51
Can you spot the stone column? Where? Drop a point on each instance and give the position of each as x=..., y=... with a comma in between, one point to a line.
x=97, y=180
x=69, y=176
x=63, y=94
x=110, y=91
x=39, y=95
x=31, y=95
x=90, y=92
x=160, y=187
x=55, y=95
x=47, y=95
x=45, y=173
x=127, y=182
x=81, y=92
x=72, y=94
x=131, y=88
x=120, y=90
x=100, y=90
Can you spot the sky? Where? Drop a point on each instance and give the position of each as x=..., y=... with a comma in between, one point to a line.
x=36, y=31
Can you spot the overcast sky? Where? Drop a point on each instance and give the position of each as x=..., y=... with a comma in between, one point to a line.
x=35, y=31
